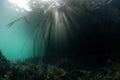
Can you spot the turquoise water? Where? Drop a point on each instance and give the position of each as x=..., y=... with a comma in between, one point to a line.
x=15, y=42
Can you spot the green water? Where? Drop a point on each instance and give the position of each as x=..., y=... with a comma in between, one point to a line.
x=15, y=42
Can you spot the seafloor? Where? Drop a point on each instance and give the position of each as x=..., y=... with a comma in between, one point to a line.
x=32, y=69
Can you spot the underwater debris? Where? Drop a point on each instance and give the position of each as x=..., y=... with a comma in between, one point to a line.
x=28, y=70
x=25, y=70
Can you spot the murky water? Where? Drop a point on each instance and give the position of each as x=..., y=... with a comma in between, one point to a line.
x=15, y=42
x=59, y=40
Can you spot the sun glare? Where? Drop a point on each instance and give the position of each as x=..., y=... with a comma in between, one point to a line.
x=21, y=5
x=46, y=0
